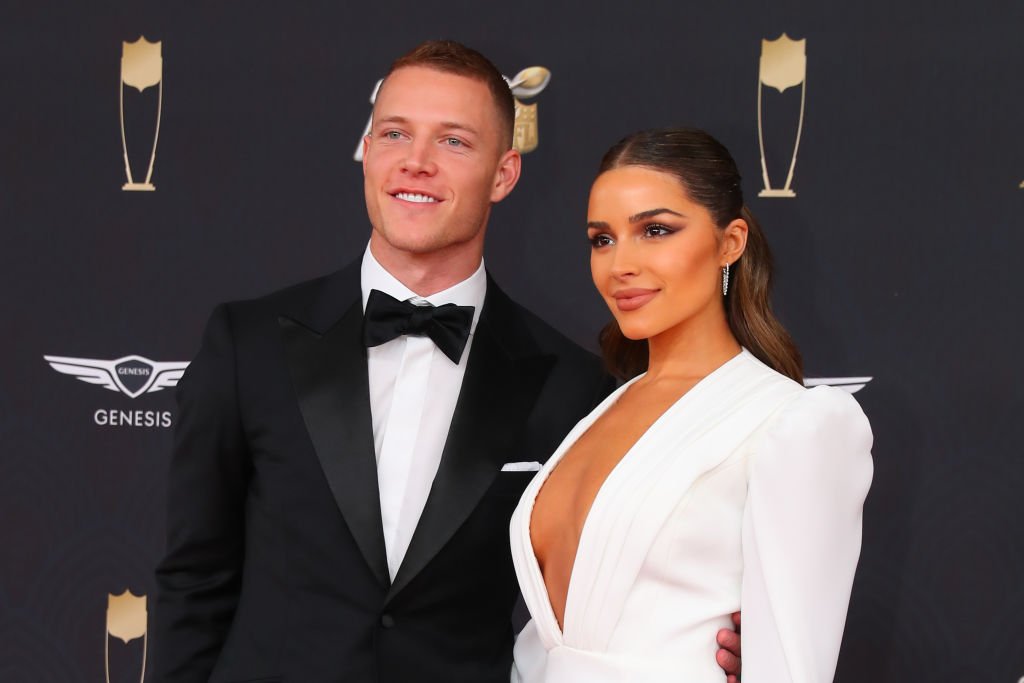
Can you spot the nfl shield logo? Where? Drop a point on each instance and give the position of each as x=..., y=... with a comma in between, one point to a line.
x=783, y=62
x=142, y=65
x=126, y=616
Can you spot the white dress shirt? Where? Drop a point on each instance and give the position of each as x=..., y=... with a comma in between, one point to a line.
x=409, y=431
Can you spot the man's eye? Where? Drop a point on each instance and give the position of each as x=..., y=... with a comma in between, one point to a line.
x=392, y=135
x=453, y=142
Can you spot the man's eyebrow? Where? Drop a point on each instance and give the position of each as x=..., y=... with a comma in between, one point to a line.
x=447, y=125
x=455, y=125
x=653, y=212
x=390, y=119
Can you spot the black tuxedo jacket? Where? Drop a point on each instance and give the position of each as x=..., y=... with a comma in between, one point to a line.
x=275, y=567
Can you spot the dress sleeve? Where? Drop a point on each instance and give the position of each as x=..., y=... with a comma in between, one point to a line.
x=801, y=537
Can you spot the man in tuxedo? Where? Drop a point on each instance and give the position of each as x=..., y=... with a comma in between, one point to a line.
x=349, y=450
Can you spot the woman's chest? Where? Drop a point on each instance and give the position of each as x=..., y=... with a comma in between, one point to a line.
x=568, y=494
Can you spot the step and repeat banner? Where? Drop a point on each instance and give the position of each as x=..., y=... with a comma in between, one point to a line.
x=156, y=159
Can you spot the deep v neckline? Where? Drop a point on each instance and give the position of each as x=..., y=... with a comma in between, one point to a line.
x=581, y=429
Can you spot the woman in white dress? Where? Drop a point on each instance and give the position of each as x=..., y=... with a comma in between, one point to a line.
x=709, y=482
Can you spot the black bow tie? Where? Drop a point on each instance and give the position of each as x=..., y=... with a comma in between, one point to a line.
x=387, y=318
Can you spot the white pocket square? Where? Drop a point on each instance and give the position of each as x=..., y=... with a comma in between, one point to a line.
x=532, y=466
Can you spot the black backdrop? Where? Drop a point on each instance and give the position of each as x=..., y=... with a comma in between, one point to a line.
x=895, y=261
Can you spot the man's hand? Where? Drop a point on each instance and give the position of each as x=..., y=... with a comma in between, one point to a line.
x=728, y=657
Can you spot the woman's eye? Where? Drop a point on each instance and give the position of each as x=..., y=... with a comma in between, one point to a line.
x=601, y=240
x=657, y=230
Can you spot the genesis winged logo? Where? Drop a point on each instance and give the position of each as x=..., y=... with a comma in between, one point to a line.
x=131, y=375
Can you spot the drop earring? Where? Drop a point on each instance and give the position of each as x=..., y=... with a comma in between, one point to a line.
x=725, y=279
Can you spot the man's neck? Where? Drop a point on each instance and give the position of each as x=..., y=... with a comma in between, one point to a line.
x=428, y=273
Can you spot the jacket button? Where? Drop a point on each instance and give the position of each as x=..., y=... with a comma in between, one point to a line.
x=387, y=621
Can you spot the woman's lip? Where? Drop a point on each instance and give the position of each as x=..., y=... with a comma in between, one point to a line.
x=632, y=299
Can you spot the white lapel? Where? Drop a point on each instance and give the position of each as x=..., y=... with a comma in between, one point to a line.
x=531, y=581
x=697, y=433
x=693, y=436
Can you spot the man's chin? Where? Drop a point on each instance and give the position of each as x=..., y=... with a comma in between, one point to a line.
x=411, y=244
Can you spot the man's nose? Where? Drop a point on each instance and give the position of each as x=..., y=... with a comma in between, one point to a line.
x=420, y=158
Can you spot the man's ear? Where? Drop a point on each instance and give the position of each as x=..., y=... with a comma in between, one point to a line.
x=507, y=175
x=366, y=149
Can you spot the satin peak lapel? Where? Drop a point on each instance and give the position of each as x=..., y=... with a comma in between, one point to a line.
x=330, y=377
x=504, y=376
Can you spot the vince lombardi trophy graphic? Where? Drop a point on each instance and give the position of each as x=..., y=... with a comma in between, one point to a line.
x=783, y=65
x=126, y=621
x=141, y=68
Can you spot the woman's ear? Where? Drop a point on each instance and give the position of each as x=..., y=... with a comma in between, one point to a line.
x=734, y=241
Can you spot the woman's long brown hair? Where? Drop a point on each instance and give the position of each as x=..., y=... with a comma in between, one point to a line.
x=709, y=176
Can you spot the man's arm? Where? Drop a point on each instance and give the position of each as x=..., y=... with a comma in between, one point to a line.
x=198, y=580
x=728, y=657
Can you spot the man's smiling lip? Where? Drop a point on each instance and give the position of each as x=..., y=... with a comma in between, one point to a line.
x=412, y=196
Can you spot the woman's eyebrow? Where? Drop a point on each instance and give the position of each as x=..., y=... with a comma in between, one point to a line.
x=653, y=212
